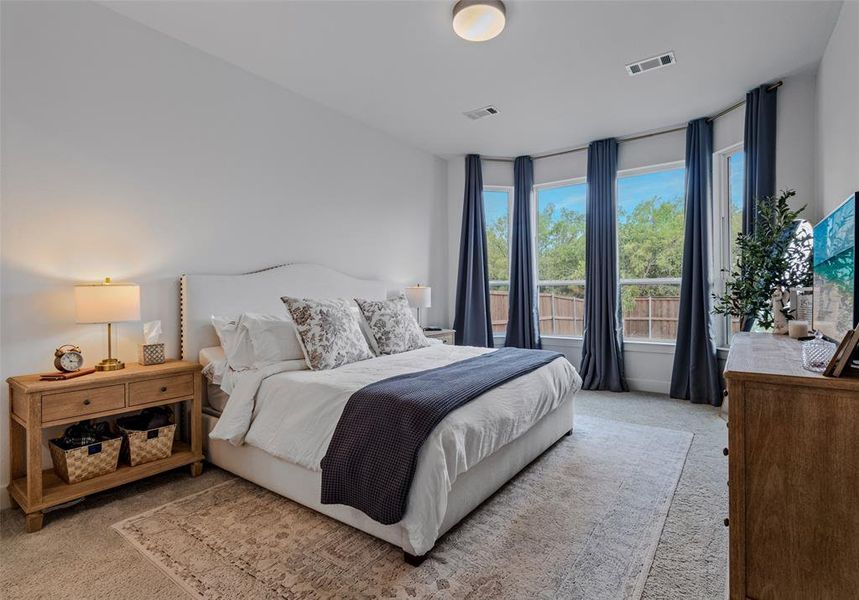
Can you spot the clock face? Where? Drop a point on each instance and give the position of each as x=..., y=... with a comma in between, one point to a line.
x=71, y=361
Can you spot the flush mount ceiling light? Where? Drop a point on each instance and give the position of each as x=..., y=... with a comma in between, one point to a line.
x=479, y=20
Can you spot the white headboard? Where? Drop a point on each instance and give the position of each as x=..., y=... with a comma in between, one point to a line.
x=201, y=296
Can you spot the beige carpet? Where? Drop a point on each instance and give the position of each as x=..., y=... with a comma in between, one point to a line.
x=582, y=522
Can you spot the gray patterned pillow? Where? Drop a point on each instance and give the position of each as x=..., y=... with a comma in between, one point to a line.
x=330, y=333
x=393, y=325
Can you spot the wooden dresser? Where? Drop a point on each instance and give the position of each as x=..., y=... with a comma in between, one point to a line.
x=793, y=475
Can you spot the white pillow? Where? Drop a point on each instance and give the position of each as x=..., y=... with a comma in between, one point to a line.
x=236, y=342
x=273, y=337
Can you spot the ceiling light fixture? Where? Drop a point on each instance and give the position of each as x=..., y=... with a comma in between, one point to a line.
x=479, y=20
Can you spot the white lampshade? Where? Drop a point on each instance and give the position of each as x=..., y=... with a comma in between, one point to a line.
x=479, y=20
x=107, y=302
x=419, y=296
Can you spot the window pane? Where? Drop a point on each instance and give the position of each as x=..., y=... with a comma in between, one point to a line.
x=562, y=310
x=561, y=232
x=561, y=258
x=736, y=178
x=736, y=175
x=496, y=207
x=650, y=224
x=650, y=213
x=650, y=312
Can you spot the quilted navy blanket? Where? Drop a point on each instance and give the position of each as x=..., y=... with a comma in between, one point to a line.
x=372, y=456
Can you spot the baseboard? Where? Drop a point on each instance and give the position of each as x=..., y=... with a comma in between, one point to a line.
x=656, y=386
x=5, y=500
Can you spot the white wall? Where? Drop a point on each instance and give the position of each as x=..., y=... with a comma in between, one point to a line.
x=794, y=163
x=127, y=153
x=649, y=364
x=838, y=112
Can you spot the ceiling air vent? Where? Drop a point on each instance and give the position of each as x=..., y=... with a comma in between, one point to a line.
x=648, y=64
x=479, y=113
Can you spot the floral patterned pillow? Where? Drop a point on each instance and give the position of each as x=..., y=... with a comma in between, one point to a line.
x=330, y=333
x=393, y=325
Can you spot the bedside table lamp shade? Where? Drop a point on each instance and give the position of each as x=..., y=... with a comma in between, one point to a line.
x=107, y=303
x=419, y=297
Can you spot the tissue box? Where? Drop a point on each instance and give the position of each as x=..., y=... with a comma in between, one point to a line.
x=151, y=354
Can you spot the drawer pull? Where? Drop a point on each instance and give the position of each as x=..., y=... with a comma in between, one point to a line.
x=163, y=389
x=725, y=451
x=87, y=402
x=726, y=522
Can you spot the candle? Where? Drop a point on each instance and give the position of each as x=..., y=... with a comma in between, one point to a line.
x=797, y=329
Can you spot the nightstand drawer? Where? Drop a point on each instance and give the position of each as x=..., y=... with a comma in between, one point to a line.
x=163, y=388
x=67, y=405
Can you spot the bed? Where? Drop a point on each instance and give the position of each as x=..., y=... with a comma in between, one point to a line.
x=526, y=416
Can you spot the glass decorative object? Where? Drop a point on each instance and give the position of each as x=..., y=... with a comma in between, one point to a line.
x=817, y=353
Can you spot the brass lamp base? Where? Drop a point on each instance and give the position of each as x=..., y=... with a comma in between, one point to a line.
x=110, y=364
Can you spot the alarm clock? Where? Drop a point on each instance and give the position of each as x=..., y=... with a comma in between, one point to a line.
x=68, y=358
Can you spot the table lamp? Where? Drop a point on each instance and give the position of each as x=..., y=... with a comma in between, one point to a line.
x=107, y=303
x=419, y=296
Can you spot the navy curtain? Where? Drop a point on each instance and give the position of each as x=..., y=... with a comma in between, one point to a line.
x=523, y=325
x=696, y=374
x=471, y=320
x=602, y=348
x=759, y=146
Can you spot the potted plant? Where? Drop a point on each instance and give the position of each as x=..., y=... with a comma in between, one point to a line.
x=772, y=260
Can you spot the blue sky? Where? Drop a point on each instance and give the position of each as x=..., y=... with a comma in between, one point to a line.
x=738, y=163
x=495, y=205
x=631, y=192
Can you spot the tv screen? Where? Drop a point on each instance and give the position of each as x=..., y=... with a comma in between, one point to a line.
x=836, y=294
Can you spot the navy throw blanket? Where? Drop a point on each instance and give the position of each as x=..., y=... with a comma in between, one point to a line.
x=372, y=457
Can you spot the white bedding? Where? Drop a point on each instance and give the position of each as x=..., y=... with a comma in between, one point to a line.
x=292, y=415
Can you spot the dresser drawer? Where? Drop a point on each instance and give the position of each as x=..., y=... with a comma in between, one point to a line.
x=162, y=388
x=68, y=405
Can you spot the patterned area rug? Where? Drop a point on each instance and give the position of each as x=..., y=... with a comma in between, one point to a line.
x=582, y=522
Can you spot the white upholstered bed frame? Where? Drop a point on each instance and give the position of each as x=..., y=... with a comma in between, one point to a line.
x=202, y=296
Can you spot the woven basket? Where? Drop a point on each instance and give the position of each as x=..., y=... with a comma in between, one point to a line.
x=140, y=447
x=86, y=462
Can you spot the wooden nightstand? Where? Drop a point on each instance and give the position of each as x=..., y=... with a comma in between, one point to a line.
x=36, y=405
x=445, y=335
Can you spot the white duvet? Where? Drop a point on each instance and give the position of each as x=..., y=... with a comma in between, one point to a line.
x=292, y=415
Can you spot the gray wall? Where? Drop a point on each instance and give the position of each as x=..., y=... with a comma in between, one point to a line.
x=838, y=112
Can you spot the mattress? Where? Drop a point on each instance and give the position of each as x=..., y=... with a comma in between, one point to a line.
x=216, y=398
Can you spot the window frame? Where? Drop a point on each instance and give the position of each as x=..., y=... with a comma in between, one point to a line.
x=508, y=189
x=720, y=225
x=632, y=172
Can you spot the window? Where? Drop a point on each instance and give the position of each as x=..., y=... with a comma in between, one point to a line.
x=650, y=214
x=560, y=243
x=728, y=178
x=497, y=210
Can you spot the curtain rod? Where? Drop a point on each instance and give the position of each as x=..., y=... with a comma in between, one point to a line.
x=632, y=138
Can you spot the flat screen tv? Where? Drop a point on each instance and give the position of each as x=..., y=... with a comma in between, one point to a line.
x=836, y=289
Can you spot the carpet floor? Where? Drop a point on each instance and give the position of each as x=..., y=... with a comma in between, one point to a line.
x=78, y=555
